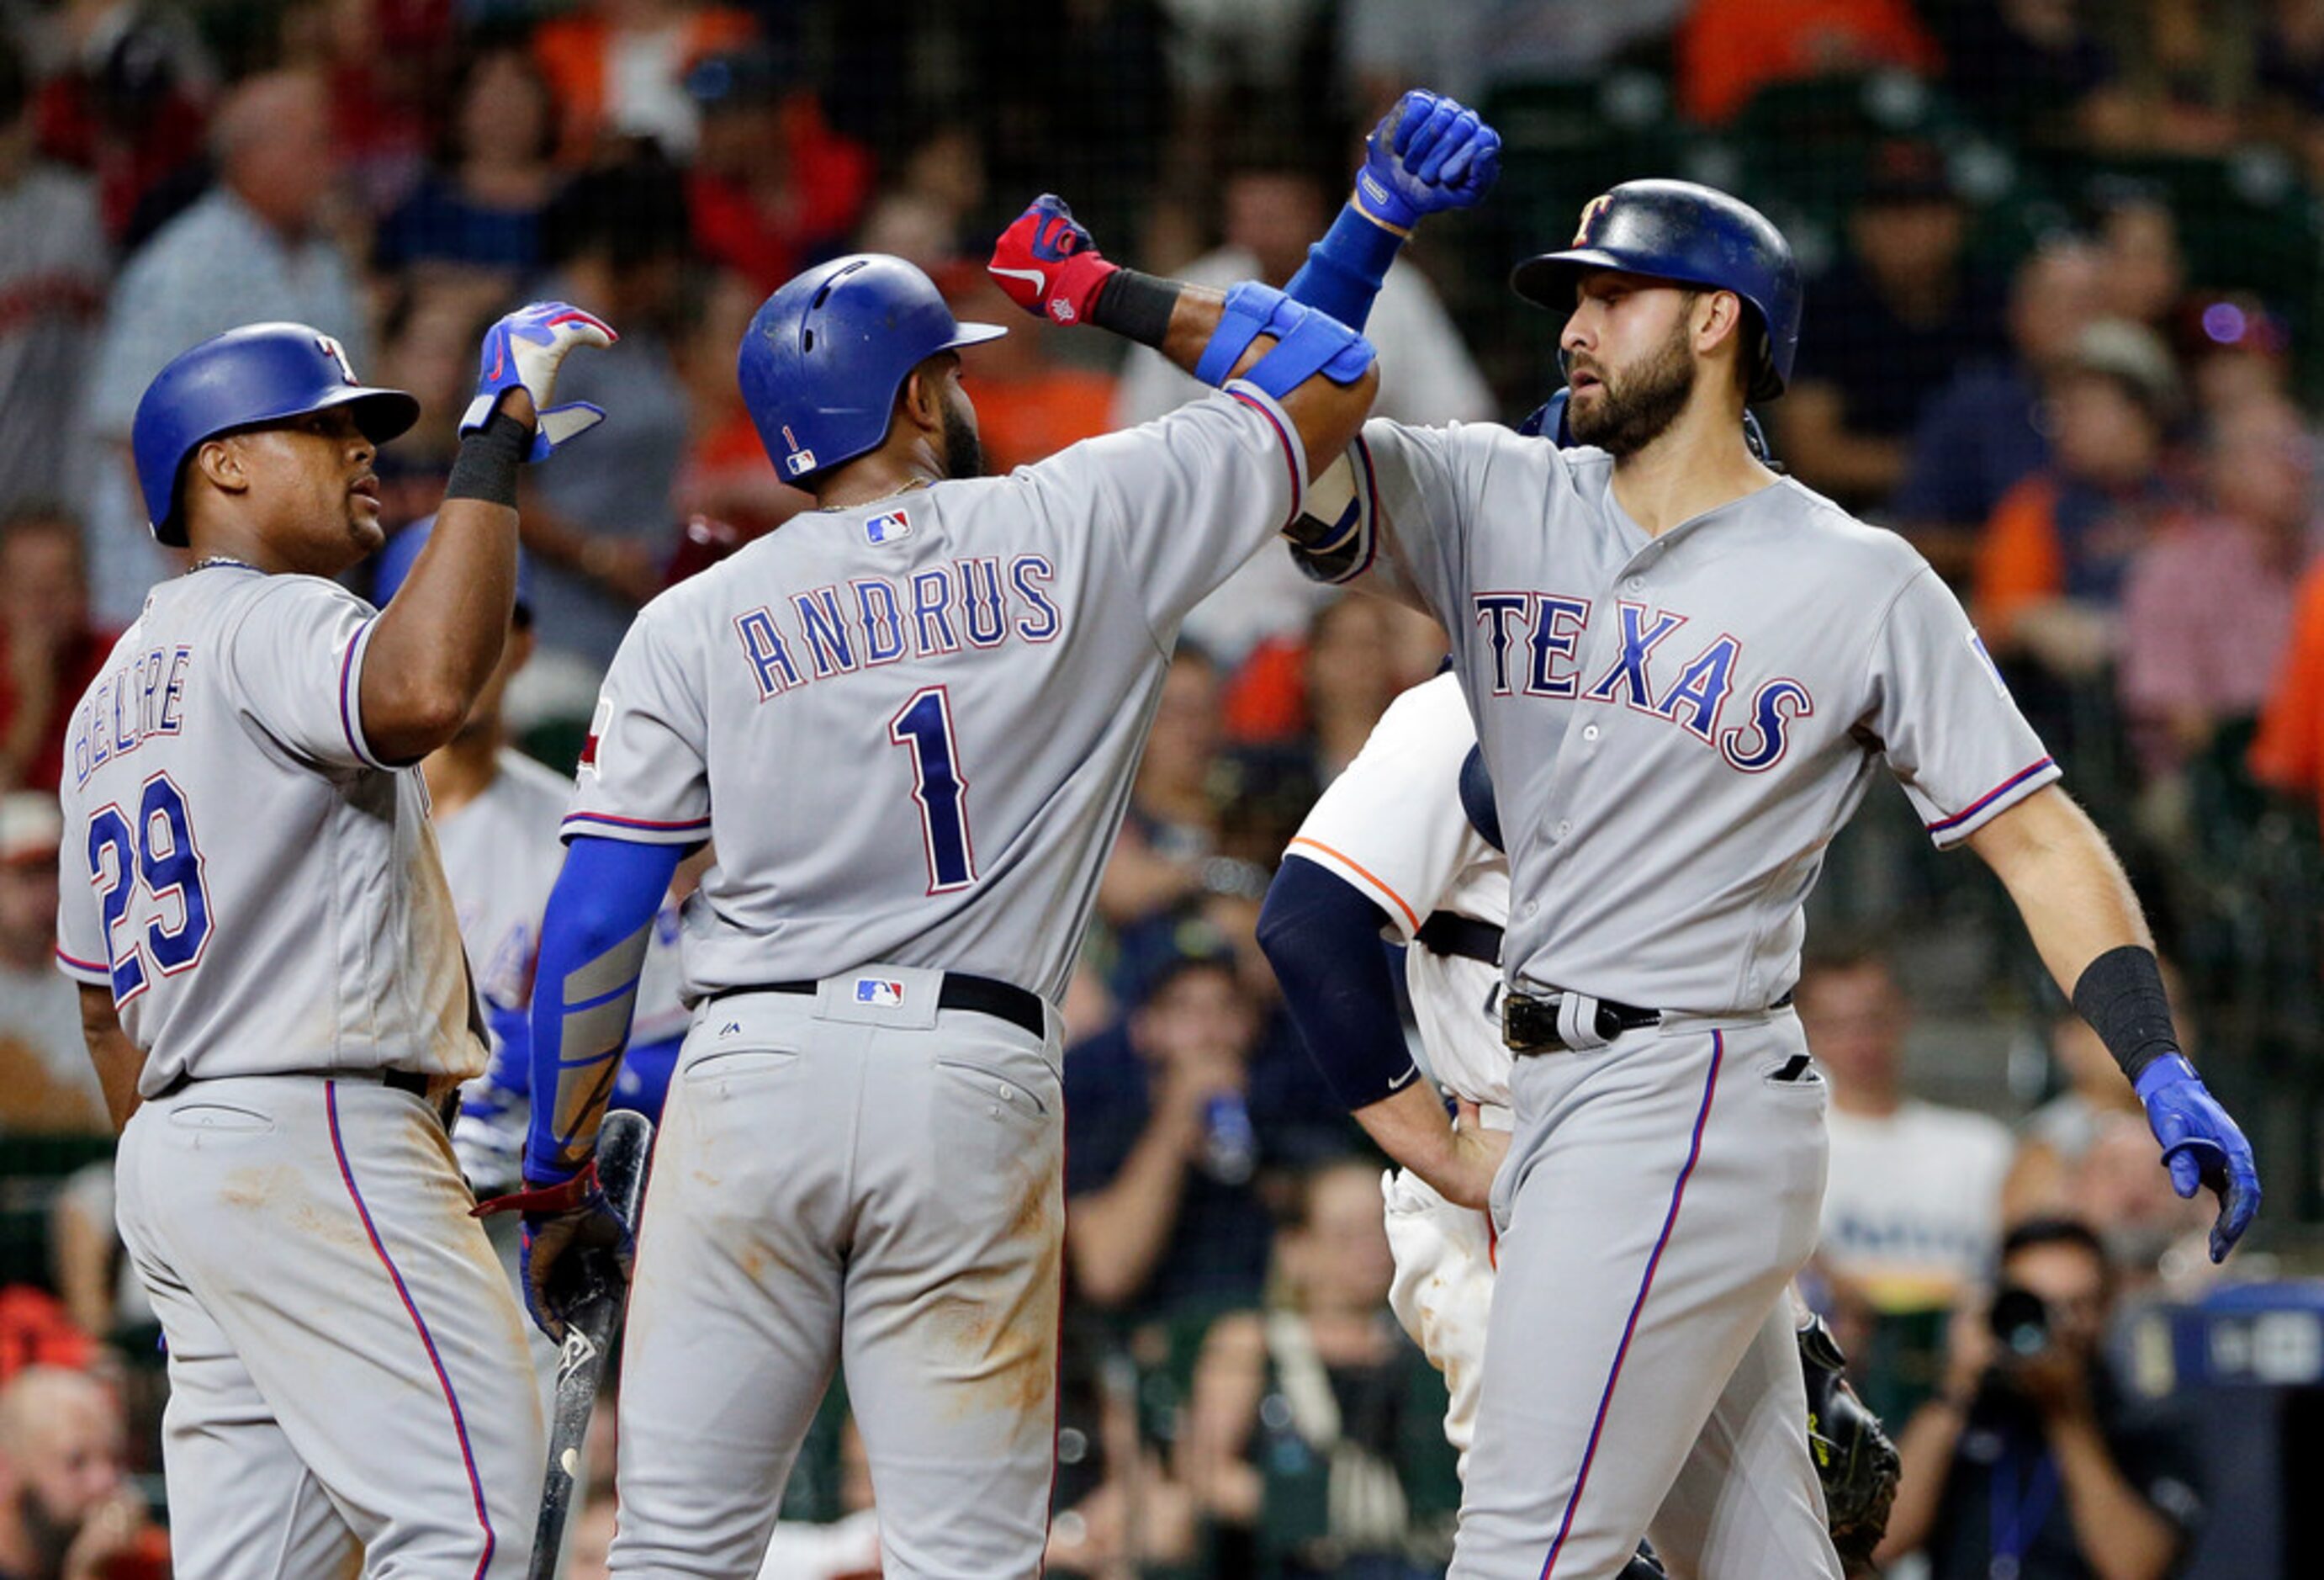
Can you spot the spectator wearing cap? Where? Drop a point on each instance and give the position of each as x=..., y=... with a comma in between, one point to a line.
x=600, y=525
x=477, y=213
x=255, y=247
x=68, y=1510
x=53, y=271
x=2212, y=600
x=771, y=186
x=619, y=69
x=1892, y=320
x=1164, y=1215
x=46, y=1081
x=1983, y=433
x=2051, y=565
x=50, y=649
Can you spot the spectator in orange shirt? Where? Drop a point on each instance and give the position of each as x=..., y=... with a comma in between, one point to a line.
x=1729, y=50
x=1028, y=405
x=2051, y=565
x=619, y=69
x=2288, y=750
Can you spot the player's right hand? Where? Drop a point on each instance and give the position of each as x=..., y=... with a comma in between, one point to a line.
x=1428, y=154
x=523, y=351
x=1047, y=263
x=562, y=1223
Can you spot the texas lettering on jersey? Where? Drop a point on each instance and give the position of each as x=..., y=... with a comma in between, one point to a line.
x=1533, y=637
x=976, y=603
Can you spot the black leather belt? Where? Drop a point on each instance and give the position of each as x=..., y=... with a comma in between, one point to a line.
x=1529, y=1025
x=960, y=990
x=1444, y=933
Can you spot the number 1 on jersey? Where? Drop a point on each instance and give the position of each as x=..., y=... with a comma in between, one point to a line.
x=925, y=725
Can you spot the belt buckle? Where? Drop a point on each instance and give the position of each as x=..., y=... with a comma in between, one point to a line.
x=1529, y=1025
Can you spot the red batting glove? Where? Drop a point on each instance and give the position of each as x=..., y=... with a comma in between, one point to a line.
x=1049, y=265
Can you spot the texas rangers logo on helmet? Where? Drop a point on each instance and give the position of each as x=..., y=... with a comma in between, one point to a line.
x=1589, y=212
x=338, y=354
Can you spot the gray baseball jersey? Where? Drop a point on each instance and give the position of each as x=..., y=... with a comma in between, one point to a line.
x=261, y=893
x=909, y=726
x=1678, y=726
x=500, y=857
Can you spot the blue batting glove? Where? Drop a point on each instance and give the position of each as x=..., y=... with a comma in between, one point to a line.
x=523, y=350
x=2202, y=1145
x=1428, y=154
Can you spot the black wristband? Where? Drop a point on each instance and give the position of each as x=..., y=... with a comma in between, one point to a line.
x=1137, y=307
x=2121, y=995
x=489, y=457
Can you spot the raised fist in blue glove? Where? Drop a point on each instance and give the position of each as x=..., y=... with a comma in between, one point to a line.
x=1427, y=155
x=524, y=350
x=2202, y=1146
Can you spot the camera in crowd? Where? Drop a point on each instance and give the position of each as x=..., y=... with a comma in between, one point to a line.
x=2020, y=1321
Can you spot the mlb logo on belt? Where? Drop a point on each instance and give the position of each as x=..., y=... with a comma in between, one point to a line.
x=888, y=528
x=880, y=991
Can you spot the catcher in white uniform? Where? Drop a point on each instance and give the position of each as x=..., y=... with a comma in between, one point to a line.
x=1406, y=845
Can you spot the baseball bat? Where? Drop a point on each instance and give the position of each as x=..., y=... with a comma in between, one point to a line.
x=622, y=1143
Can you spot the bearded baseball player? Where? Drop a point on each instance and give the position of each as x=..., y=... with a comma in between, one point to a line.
x=1406, y=844
x=908, y=718
x=1684, y=669
x=272, y=978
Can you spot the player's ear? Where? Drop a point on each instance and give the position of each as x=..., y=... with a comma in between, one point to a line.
x=221, y=463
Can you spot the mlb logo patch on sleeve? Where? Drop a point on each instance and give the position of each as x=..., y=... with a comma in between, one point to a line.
x=880, y=991
x=892, y=527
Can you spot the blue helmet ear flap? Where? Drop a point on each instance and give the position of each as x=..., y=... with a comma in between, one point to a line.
x=1547, y=421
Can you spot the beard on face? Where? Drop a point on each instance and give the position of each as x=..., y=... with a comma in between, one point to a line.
x=1631, y=412
x=964, y=455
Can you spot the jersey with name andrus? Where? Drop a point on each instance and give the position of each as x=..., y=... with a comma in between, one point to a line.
x=260, y=892
x=1676, y=726
x=909, y=726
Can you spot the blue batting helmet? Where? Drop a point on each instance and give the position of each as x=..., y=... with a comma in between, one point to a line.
x=1694, y=234
x=826, y=355
x=248, y=377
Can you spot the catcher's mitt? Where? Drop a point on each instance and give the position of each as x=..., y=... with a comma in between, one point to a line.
x=1853, y=1456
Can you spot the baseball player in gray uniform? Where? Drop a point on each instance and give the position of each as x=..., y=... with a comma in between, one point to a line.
x=272, y=979
x=1404, y=844
x=1685, y=671
x=909, y=719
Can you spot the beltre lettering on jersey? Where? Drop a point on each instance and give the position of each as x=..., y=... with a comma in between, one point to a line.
x=142, y=697
x=1533, y=637
x=972, y=604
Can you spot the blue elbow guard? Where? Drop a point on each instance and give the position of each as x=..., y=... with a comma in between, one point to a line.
x=1307, y=342
x=1322, y=937
x=1343, y=271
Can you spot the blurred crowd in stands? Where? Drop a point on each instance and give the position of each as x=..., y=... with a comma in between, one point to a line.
x=2064, y=327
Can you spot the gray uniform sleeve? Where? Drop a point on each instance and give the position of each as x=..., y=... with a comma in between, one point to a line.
x=1944, y=717
x=296, y=659
x=643, y=776
x=1188, y=497
x=1415, y=491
